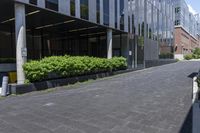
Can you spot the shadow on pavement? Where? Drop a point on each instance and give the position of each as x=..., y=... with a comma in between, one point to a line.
x=187, y=125
x=192, y=75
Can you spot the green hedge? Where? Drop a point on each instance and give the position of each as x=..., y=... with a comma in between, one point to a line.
x=188, y=57
x=195, y=54
x=166, y=56
x=68, y=66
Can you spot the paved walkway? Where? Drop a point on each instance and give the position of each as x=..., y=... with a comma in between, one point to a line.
x=156, y=100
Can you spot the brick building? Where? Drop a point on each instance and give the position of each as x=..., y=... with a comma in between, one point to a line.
x=187, y=29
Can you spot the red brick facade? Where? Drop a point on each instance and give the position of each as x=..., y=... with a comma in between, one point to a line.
x=184, y=43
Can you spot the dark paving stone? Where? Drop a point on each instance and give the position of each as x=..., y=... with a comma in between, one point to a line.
x=156, y=100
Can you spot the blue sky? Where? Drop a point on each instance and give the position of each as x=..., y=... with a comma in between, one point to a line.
x=195, y=4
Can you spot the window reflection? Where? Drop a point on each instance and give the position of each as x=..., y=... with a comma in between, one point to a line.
x=52, y=4
x=84, y=9
x=106, y=12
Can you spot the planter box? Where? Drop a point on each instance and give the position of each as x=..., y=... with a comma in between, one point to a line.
x=51, y=83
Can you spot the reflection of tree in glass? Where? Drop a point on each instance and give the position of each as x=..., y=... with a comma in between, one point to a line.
x=84, y=9
x=72, y=7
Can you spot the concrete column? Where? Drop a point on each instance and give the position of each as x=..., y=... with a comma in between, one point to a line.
x=41, y=3
x=92, y=11
x=136, y=44
x=109, y=43
x=64, y=6
x=145, y=31
x=20, y=32
x=77, y=8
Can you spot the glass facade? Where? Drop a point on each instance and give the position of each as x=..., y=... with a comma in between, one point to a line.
x=106, y=12
x=184, y=18
x=72, y=7
x=52, y=4
x=150, y=26
x=98, y=10
x=122, y=14
x=116, y=14
x=84, y=9
x=33, y=2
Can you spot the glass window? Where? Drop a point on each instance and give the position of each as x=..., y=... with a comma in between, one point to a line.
x=129, y=24
x=72, y=7
x=98, y=11
x=52, y=4
x=133, y=24
x=155, y=23
x=33, y=2
x=106, y=12
x=122, y=14
x=84, y=9
x=116, y=17
x=177, y=10
x=149, y=20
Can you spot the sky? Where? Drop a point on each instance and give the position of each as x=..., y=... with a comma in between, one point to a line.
x=194, y=6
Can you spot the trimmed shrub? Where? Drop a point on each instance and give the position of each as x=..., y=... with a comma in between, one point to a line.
x=166, y=56
x=188, y=57
x=68, y=66
x=195, y=54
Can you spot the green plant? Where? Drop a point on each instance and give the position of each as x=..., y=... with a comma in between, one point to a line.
x=188, y=57
x=166, y=56
x=196, y=51
x=195, y=54
x=67, y=66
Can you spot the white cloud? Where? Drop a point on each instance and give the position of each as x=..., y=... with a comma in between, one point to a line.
x=192, y=10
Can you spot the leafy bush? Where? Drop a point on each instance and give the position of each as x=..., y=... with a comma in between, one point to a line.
x=195, y=54
x=166, y=56
x=67, y=66
x=188, y=57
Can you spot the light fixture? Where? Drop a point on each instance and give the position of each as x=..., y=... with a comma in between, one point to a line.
x=69, y=21
x=92, y=34
x=29, y=14
x=8, y=20
x=56, y=24
x=81, y=29
x=45, y=26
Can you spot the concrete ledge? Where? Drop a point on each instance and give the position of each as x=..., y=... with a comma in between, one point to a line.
x=152, y=63
x=179, y=56
x=43, y=85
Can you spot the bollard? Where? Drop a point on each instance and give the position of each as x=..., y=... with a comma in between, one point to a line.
x=4, y=86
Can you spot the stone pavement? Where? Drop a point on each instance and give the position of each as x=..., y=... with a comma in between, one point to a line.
x=155, y=100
